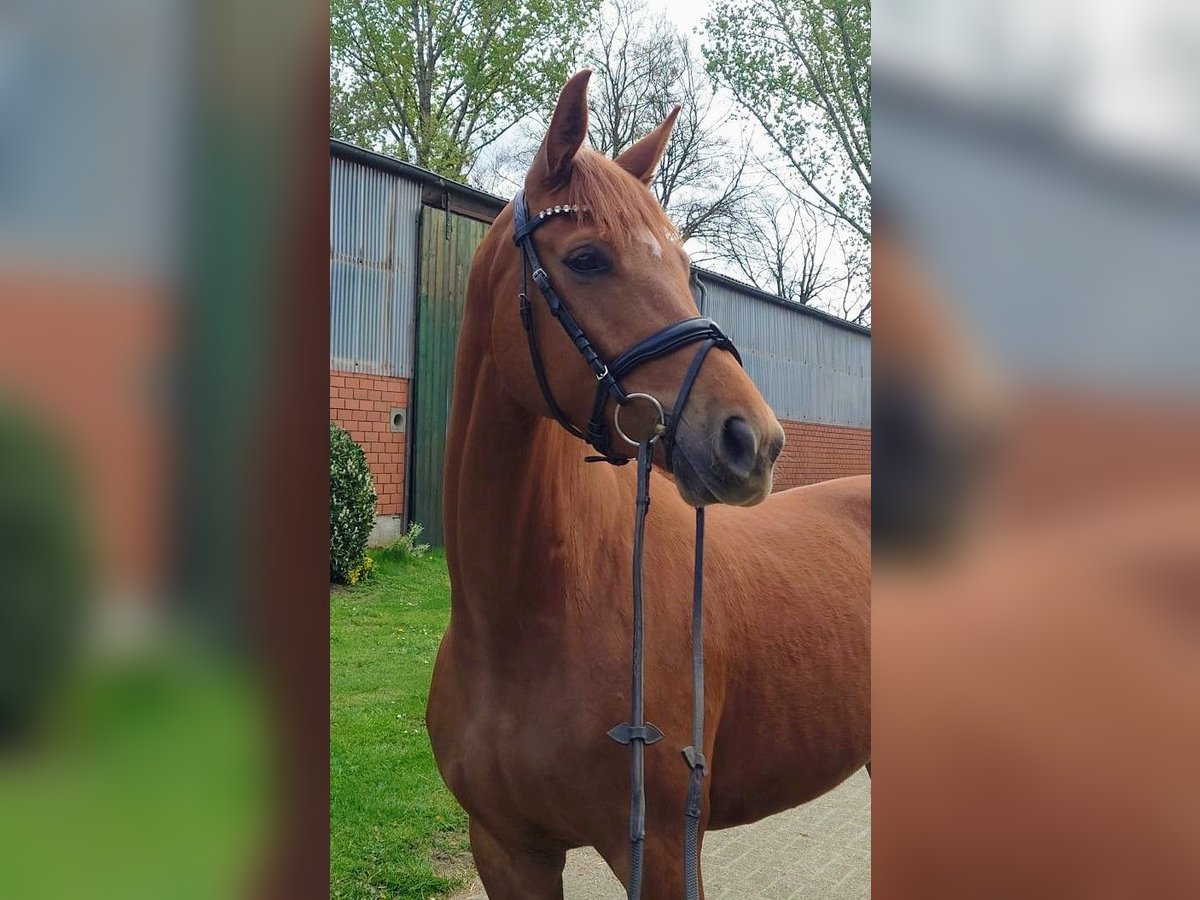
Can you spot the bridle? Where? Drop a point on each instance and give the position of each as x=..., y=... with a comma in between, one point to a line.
x=696, y=330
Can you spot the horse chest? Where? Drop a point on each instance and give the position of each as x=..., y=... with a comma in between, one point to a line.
x=513, y=748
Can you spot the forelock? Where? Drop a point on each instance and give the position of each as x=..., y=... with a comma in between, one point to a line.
x=615, y=203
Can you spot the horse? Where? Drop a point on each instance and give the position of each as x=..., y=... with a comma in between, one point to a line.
x=534, y=667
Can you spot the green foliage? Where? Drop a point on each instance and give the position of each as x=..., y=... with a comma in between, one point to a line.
x=351, y=508
x=433, y=82
x=405, y=548
x=43, y=582
x=802, y=69
x=642, y=67
x=396, y=832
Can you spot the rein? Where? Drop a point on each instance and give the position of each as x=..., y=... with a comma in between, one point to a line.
x=637, y=732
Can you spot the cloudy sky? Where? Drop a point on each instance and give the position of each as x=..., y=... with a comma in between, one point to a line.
x=686, y=14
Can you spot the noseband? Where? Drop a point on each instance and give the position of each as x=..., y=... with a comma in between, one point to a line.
x=636, y=732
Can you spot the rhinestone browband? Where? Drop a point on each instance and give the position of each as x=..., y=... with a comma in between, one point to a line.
x=558, y=210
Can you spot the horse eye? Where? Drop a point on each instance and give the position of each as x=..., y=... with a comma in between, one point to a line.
x=587, y=261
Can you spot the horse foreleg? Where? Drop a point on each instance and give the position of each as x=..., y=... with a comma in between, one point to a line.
x=662, y=867
x=664, y=870
x=663, y=879
x=513, y=872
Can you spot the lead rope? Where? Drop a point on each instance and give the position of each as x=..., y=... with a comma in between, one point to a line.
x=694, y=755
x=637, y=732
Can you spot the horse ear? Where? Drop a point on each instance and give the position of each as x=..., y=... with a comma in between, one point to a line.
x=568, y=128
x=642, y=158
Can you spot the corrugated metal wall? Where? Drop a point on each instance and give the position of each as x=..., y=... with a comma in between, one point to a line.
x=373, y=220
x=809, y=370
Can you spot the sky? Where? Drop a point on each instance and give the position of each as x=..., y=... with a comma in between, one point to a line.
x=685, y=14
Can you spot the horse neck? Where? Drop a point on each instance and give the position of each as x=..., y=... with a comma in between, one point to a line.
x=522, y=508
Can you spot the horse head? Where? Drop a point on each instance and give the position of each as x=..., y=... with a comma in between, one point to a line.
x=606, y=249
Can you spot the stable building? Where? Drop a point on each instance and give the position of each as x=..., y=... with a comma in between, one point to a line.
x=401, y=240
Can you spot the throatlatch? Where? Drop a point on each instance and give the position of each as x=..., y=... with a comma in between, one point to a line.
x=637, y=732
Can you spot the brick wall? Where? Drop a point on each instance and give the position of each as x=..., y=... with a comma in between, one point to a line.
x=820, y=452
x=362, y=404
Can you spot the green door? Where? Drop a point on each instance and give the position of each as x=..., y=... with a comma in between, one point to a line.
x=448, y=243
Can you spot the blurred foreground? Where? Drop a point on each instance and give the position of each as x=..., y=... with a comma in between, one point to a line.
x=152, y=660
x=1036, y=630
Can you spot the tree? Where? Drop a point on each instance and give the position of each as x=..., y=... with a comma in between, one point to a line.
x=777, y=248
x=782, y=247
x=802, y=70
x=641, y=71
x=434, y=82
x=855, y=304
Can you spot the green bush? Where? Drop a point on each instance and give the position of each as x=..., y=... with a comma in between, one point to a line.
x=406, y=548
x=43, y=572
x=351, y=508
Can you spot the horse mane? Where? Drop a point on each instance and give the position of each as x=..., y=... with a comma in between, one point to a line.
x=614, y=202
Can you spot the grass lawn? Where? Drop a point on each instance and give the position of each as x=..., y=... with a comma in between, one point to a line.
x=395, y=830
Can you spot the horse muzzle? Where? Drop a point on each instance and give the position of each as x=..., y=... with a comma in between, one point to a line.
x=729, y=462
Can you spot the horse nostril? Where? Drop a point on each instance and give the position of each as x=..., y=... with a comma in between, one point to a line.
x=738, y=446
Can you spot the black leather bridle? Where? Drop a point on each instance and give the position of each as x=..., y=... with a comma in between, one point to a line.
x=636, y=732
x=697, y=329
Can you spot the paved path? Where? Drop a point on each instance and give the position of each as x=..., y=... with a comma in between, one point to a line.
x=819, y=851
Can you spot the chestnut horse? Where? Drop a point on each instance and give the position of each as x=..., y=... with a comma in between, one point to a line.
x=534, y=667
